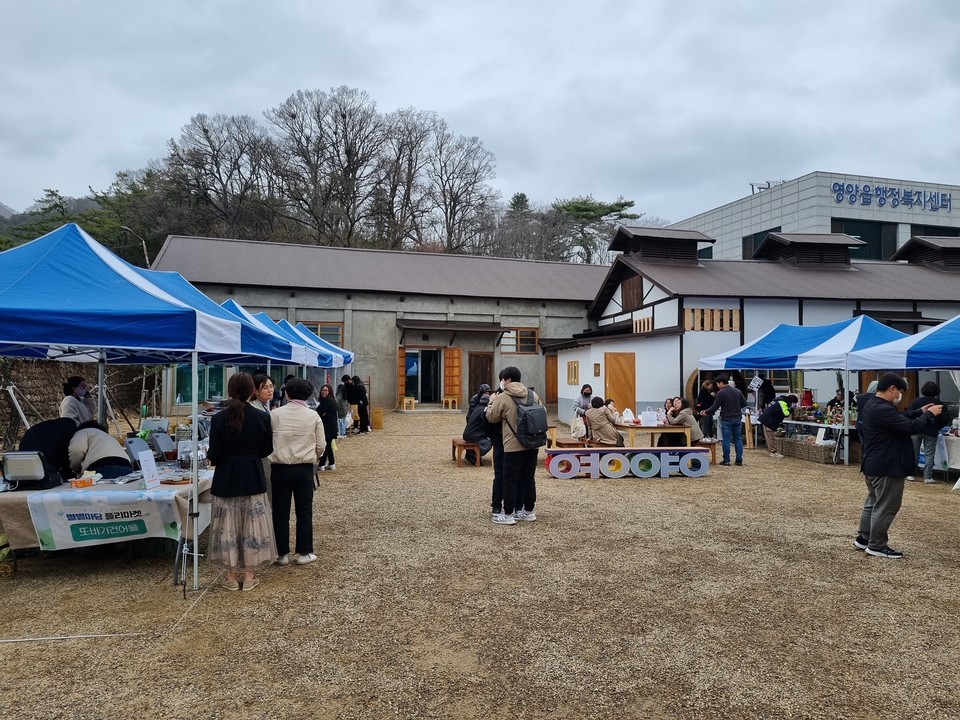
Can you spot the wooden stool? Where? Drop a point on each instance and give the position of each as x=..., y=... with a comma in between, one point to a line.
x=712, y=444
x=450, y=402
x=409, y=403
x=551, y=436
x=459, y=446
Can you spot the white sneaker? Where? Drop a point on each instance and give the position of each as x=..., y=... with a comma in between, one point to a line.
x=306, y=559
x=526, y=515
x=911, y=478
x=283, y=560
x=776, y=455
x=503, y=519
x=322, y=468
x=929, y=481
x=332, y=467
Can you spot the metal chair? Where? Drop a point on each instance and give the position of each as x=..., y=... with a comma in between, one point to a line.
x=135, y=446
x=156, y=424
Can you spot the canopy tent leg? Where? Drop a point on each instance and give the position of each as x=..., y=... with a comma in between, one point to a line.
x=195, y=427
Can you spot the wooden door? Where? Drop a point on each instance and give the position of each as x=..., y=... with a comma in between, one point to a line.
x=401, y=374
x=481, y=371
x=551, y=379
x=620, y=379
x=453, y=373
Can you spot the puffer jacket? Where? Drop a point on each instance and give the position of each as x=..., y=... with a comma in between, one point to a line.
x=503, y=409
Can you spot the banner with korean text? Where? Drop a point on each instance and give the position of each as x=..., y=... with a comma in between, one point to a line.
x=95, y=516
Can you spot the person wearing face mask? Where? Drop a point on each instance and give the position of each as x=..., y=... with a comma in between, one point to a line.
x=77, y=403
x=888, y=458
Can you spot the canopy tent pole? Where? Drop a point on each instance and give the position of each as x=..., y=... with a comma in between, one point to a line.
x=195, y=432
x=101, y=388
x=846, y=413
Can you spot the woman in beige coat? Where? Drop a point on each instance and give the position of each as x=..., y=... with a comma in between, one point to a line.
x=683, y=415
x=600, y=419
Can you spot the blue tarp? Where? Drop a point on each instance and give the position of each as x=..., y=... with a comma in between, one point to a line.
x=800, y=347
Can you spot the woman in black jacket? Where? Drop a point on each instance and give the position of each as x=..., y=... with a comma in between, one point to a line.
x=363, y=405
x=327, y=409
x=929, y=395
x=241, y=528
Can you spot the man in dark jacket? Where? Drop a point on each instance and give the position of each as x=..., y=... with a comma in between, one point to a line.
x=729, y=402
x=888, y=458
x=476, y=429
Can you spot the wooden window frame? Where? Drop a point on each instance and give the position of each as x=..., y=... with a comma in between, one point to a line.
x=573, y=372
x=712, y=319
x=510, y=342
x=314, y=326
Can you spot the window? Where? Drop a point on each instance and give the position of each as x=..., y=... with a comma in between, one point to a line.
x=573, y=372
x=519, y=341
x=643, y=325
x=332, y=332
x=210, y=382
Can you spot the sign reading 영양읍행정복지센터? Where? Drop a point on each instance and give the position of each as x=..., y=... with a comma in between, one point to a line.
x=620, y=462
x=866, y=194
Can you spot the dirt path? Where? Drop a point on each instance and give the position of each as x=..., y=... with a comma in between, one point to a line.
x=738, y=595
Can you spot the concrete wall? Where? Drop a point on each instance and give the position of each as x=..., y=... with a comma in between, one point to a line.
x=370, y=330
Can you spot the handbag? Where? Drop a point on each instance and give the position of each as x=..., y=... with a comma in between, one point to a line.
x=578, y=428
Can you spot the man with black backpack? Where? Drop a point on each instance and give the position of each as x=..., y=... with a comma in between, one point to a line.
x=524, y=423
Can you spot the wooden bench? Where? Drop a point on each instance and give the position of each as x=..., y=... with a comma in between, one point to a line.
x=460, y=446
x=409, y=403
x=450, y=403
x=712, y=444
x=569, y=442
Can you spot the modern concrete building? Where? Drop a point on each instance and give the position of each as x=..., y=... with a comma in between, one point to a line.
x=422, y=325
x=882, y=212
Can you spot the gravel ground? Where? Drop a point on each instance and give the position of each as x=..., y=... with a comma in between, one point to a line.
x=738, y=595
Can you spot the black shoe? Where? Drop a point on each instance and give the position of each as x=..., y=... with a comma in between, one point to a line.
x=860, y=542
x=887, y=552
x=738, y=462
x=470, y=456
x=726, y=462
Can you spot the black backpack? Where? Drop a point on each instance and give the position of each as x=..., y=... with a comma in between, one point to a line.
x=531, y=430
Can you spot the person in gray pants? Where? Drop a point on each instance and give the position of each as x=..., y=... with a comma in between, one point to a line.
x=888, y=457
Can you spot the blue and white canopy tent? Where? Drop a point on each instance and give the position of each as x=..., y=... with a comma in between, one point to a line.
x=937, y=348
x=799, y=347
x=65, y=296
x=313, y=337
x=324, y=357
x=337, y=358
x=300, y=353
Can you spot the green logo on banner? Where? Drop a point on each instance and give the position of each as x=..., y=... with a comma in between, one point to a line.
x=85, y=532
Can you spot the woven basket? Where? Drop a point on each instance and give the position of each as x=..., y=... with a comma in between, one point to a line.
x=806, y=451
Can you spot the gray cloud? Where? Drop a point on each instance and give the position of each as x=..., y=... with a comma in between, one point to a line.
x=678, y=106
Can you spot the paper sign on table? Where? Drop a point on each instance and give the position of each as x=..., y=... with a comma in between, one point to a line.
x=821, y=435
x=151, y=477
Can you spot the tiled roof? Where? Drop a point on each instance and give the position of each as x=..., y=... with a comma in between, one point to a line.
x=267, y=264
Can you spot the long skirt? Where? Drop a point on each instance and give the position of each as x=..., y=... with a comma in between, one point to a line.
x=241, y=531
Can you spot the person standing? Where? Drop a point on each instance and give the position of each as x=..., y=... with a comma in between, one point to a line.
x=343, y=407
x=583, y=403
x=363, y=405
x=888, y=457
x=241, y=532
x=327, y=410
x=495, y=433
x=263, y=396
x=298, y=443
x=705, y=398
x=476, y=428
x=729, y=401
x=766, y=393
x=77, y=404
x=519, y=462
x=772, y=417
x=929, y=395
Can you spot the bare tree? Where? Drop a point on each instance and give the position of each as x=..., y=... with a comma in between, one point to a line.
x=460, y=172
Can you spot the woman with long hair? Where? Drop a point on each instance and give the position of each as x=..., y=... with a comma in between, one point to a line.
x=241, y=527
x=327, y=410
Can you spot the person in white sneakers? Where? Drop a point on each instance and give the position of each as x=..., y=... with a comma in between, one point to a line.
x=298, y=443
x=771, y=418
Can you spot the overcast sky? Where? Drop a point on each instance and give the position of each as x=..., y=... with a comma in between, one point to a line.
x=677, y=105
